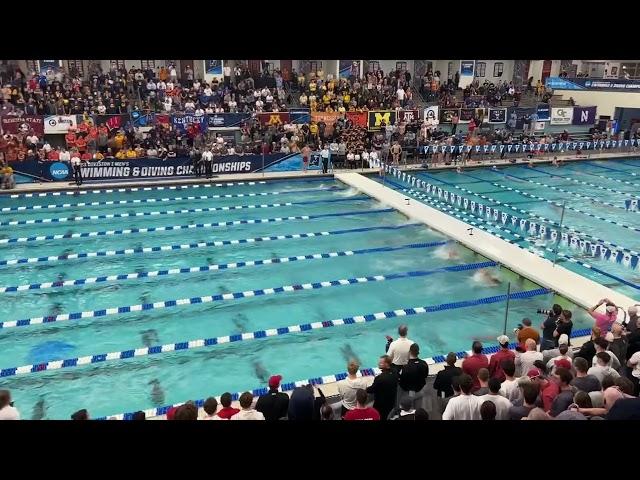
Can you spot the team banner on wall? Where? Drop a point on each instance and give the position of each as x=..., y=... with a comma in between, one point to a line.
x=466, y=114
x=584, y=116
x=561, y=115
x=358, y=118
x=273, y=118
x=497, y=115
x=329, y=118
x=544, y=112
x=184, y=121
x=219, y=120
x=300, y=115
x=377, y=117
x=111, y=121
x=48, y=64
x=213, y=67
x=59, y=123
x=407, y=116
x=432, y=115
x=446, y=114
x=23, y=124
x=613, y=85
x=466, y=68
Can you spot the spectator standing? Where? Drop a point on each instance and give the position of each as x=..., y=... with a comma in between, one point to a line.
x=588, y=349
x=501, y=403
x=7, y=410
x=509, y=388
x=483, y=379
x=563, y=378
x=247, y=412
x=413, y=375
x=604, y=320
x=210, y=406
x=549, y=326
x=530, y=395
x=465, y=406
x=398, y=349
x=527, y=331
x=553, y=353
x=564, y=326
x=361, y=411
x=584, y=381
x=442, y=383
x=302, y=404
x=473, y=363
x=348, y=387
x=495, y=363
x=525, y=360
x=274, y=404
x=602, y=368
x=384, y=388
x=227, y=411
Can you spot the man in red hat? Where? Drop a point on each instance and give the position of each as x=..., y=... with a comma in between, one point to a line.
x=274, y=404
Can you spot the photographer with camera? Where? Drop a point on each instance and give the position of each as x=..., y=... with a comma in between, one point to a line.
x=549, y=326
x=564, y=326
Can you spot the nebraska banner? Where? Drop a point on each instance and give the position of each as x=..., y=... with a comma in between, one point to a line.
x=328, y=118
x=23, y=124
x=359, y=119
x=273, y=118
x=377, y=117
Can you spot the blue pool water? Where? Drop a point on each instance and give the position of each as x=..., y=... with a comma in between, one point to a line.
x=593, y=192
x=117, y=267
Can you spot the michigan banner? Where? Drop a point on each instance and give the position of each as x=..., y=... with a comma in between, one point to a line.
x=378, y=117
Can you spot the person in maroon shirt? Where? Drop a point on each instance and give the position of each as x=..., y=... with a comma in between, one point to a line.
x=227, y=410
x=475, y=362
x=495, y=364
x=549, y=389
x=362, y=412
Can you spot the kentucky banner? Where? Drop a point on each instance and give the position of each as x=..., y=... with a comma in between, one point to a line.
x=407, y=116
x=431, y=115
x=446, y=114
x=497, y=115
x=377, y=117
x=218, y=120
x=55, y=124
x=359, y=119
x=561, y=115
x=15, y=124
x=273, y=118
x=184, y=121
x=584, y=116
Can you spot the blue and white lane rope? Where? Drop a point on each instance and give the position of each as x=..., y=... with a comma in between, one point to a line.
x=168, y=187
x=215, y=267
x=593, y=185
x=190, y=246
x=272, y=332
x=138, y=201
x=626, y=172
x=562, y=190
x=181, y=211
x=471, y=220
x=237, y=295
x=317, y=381
x=567, y=237
x=132, y=189
x=617, y=180
x=191, y=226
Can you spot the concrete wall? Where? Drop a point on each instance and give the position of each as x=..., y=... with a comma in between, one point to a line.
x=507, y=71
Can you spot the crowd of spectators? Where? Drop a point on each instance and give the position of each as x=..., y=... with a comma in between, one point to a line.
x=543, y=379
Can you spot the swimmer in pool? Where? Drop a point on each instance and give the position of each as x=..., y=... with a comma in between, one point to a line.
x=486, y=278
x=260, y=372
x=39, y=410
x=150, y=337
x=157, y=393
x=348, y=354
x=459, y=169
x=554, y=162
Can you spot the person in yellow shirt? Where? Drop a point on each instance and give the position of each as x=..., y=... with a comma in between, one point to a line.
x=313, y=105
x=346, y=98
x=326, y=99
x=121, y=155
x=98, y=156
x=8, y=181
x=119, y=140
x=131, y=153
x=312, y=86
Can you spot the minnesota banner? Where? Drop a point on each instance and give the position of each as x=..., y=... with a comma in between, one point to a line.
x=273, y=118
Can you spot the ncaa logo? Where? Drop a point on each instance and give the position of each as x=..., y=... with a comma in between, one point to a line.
x=59, y=170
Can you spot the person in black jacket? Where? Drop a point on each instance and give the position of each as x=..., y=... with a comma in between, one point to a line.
x=301, y=404
x=442, y=383
x=273, y=405
x=413, y=376
x=384, y=388
x=588, y=349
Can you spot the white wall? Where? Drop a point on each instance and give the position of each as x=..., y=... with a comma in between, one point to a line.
x=605, y=101
x=507, y=71
x=390, y=66
x=555, y=68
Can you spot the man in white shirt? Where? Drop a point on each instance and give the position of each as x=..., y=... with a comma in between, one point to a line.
x=210, y=407
x=501, y=403
x=564, y=354
x=348, y=387
x=207, y=158
x=400, y=93
x=601, y=369
x=227, y=75
x=555, y=352
x=525, y=360
x=324, y=154
x=247, y=412
x=76, y=165
x=398, y=349
x=509, y=388
x=465, y=406
x=7, y=411
x=634, y=364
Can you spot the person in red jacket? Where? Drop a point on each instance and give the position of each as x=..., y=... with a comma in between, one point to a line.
x=473, y=363
x=362, y=412
x=70, y=138
x=81, y=144
x=53, y=155
x=86, y=156
x=227, y=411
x=495, y=364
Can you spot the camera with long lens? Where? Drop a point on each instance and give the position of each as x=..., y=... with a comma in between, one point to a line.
x=544, y=311
x=518, y=328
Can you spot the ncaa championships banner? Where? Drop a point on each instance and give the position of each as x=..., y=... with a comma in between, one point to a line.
x=561, y=115
x=59, y=123
x=300, y=115
x=15, y=124
x=213, y=67
x=432, y=115
x=145, y=167
x=377, y=117
x=544, y=112
x=218, y=120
